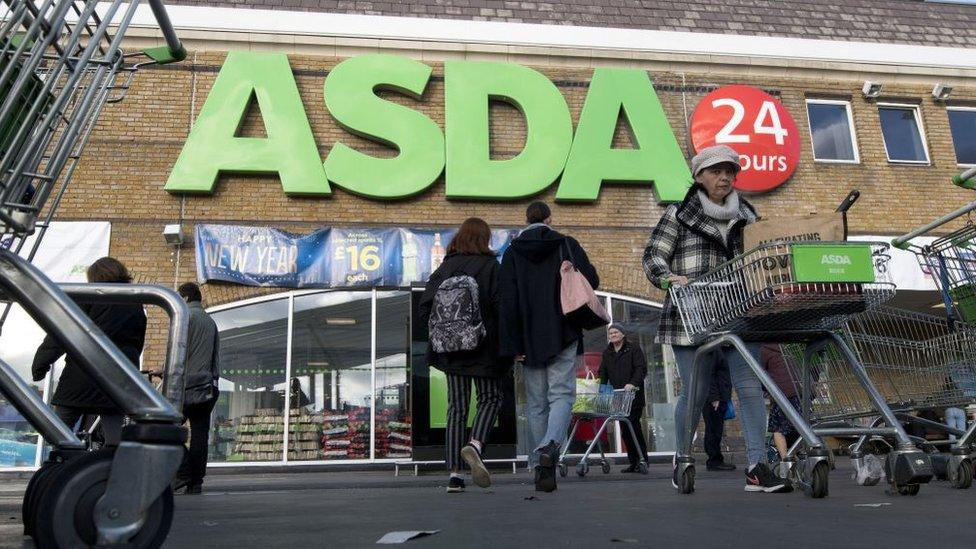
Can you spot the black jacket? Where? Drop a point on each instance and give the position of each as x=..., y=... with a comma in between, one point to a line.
x=125, y=326
x=628, y=365
x=483, y=361
x=532, y=323
x=721, y=387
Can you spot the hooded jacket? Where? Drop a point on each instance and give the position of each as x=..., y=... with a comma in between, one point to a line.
x=531, y=320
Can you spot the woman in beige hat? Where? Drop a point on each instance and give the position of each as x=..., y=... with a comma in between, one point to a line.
x=692, y=238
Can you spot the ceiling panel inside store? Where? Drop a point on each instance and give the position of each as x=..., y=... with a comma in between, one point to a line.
x=913, y=22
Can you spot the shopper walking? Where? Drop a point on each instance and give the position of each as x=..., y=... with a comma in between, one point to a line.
x=77, y=394
x=691, y=238
x=623, y=366
x=460, y=307
x=714, y=412
x=784, y=433
x=534, y=330
x=201, y=373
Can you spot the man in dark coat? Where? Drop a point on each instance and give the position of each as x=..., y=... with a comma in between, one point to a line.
x=714, y=410
x=202, y=372
x=624, y=366
x=533, y=329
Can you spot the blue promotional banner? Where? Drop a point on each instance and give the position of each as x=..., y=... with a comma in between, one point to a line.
x=326, y=258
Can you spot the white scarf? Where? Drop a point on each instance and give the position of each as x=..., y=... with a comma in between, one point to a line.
x=722, y=215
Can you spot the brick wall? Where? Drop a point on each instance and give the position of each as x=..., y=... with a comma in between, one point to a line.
x=126, y=164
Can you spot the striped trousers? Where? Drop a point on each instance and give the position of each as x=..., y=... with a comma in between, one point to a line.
x=489, y=391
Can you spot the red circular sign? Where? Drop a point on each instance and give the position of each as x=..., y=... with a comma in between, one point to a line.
x=757, y=126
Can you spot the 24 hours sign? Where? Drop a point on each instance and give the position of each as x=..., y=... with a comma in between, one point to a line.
x=757, y=126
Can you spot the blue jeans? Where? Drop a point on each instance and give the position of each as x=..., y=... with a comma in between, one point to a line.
x=751, y=410
x=955, y=418
x=549, y=396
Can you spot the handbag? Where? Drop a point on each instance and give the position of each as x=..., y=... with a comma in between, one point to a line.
x=580, y=305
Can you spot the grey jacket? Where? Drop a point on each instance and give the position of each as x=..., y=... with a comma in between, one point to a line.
x=202, y=356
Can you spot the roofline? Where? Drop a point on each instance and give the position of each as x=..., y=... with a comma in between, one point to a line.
x=616, y=42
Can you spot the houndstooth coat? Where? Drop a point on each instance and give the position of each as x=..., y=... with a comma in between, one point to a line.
x=686, y=242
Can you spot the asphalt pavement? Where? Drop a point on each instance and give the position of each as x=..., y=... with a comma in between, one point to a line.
x=355, y=509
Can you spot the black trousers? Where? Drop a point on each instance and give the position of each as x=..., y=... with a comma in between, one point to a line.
x=194, y=466
x=714, y=429
x=490, y=399
x=635, y=455
x=110, y=424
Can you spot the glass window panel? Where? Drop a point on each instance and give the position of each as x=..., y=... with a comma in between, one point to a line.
x=18, y=342
x=902, y=135
x=392, y=390
x=249, y=415
x=963, y=126
x=831, y=132
x=331, y=383
x=640, y=322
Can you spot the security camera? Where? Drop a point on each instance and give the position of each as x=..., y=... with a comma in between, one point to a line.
x=871, y=89
x=941, y=92
x=173, y=234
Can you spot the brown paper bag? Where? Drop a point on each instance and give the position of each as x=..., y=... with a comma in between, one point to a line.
x=773, y=266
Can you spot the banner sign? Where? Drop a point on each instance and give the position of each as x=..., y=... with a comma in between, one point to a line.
x=326, y=258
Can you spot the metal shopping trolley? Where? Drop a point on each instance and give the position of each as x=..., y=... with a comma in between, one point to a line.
x=919, y=361
x=609, y=407
x=796, y=292
x=60, y=63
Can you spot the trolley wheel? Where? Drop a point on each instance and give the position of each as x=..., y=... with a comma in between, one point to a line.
x=38, y=484
x=964, y=475
x=582, y=468
x=563, y=469
x=606, y=467
x=908, y=489
x=686, y=482
x=74, y=491
x=818, y=487
x=642, y=467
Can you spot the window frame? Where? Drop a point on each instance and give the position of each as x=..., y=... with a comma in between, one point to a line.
x=850, y=124
x=964, y=109
x=916, y=111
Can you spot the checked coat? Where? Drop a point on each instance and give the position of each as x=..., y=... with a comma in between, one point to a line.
x=686, y=242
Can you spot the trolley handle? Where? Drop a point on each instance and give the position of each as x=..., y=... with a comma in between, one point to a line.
x=848, y=201
x=966, y=180
x=173, y=51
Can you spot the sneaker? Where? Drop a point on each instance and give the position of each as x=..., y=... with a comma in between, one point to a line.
x=194, y=489
x=761, y=479
x=631, y=469
x=479, y=473
x=455, y=485
x=720, y=467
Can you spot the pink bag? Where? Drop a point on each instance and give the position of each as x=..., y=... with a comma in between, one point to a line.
x=580, y=305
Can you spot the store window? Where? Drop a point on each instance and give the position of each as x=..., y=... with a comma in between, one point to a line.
x=248, y=420
x=904, y=138
x=962, y=123
x=832, y=131
x=392, y=390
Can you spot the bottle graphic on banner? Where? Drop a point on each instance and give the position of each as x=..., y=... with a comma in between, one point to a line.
x=410, y=255
x=436, y=253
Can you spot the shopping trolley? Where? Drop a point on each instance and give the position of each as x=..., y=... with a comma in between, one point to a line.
x=606, y=406
x=794, y=292
x=59, y=66
x=919, y=361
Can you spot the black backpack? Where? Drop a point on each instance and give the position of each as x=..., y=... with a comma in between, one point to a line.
x=455, y=320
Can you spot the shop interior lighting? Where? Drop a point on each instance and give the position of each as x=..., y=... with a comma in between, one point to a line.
x=340, y=321
x=871, y=89
x=941, y=92
x=173, y=234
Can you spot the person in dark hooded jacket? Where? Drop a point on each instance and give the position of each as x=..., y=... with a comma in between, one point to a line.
x=469, y=253
x=533, y=329
x=77, y=394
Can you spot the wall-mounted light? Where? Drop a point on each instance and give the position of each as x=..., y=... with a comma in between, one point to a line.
x=871, y=89
x=173, y=234
x=941, y=92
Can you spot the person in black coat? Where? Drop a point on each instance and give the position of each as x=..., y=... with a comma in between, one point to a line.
x=714, y=410
x=77, y=394
x=624, y=366
x=534, y=330
x=469, y=253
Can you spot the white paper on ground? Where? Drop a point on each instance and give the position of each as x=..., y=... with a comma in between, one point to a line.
x=401, y=537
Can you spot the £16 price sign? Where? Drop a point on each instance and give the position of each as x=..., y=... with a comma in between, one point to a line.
x=757, y=126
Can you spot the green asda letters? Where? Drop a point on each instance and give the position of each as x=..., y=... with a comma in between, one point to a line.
x=585, y=161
